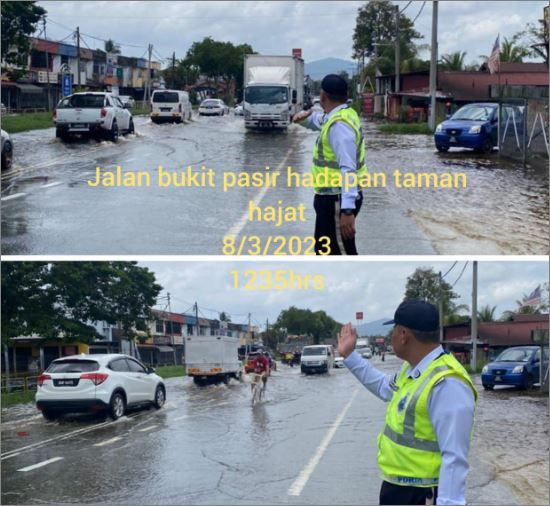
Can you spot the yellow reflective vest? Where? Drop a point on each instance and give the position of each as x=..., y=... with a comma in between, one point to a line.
x=326, y=172
x=408, y=452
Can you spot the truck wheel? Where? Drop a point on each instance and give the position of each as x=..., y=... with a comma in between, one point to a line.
x=199, y=381
x=160, y=397
x=117, y=406
x=225, y=379
x=113, y=134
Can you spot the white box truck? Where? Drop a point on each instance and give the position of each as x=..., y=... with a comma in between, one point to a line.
x=212, y=359
x=273, y=90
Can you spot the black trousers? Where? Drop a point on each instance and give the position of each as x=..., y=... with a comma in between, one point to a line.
x=327, y=224
x=404, y=494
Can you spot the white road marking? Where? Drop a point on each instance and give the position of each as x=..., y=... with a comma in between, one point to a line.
x=151, y=427
x=237, y=228
x=180, y=418
x=12, y=197
x=300, y=482
x=108, y=441
x=40, y=464
x=12, y=455
x=50, y=185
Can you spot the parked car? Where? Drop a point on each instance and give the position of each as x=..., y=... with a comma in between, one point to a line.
x=110, y=382
x=98, y=114
x=213, y=107
x=473, y=126
x=518, y=366
x=7, y=151
x=338, y=360
x=127, y=99
x=170, y=105
x=239, y=110
x=317, y=358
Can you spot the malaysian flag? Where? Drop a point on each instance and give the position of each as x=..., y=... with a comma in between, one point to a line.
x=533, y=299
x=494, y=60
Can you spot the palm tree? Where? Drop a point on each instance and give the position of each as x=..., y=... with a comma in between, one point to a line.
x=486, y=314
x=453, y=61
x=111, y=47
x=512, y=52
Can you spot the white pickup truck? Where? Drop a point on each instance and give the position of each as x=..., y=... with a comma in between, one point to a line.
x=98, y=114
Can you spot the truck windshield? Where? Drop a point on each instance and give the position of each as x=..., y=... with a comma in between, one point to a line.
x=165, y=97
x=266, y=95
x=314, y=351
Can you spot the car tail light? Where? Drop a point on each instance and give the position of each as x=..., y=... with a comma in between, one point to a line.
x=54, y=114
x=96, y=377
x=103, y=112
x=42, y=378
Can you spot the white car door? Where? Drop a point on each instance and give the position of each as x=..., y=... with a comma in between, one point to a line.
x=143, y=380
x=123, y=115
x=125, y=379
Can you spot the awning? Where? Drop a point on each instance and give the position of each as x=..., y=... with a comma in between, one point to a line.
x=29, y=88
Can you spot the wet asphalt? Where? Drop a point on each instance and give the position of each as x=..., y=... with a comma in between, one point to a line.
x=48, y=207
x=311, y=441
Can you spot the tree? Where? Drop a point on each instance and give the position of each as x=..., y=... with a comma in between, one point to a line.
x=19, y=22
x=453, y=61
x=486, y=314
x=317, y=324
x=374, y=35
x=60, y=299
x=225, y=317
x=536, y=40
x=511, y=51
x=423, y=284
x=111, y=47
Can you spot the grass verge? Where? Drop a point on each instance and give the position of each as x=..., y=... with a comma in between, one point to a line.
x=27, y=121
x=405, y=128
x=139, y=110
x=9, y=399
x=170, y=371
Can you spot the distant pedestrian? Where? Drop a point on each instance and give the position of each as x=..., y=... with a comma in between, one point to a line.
x=338, y=152
x=423, y=448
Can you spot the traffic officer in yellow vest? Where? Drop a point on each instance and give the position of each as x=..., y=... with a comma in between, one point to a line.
x=423, y=447
x=338, y=162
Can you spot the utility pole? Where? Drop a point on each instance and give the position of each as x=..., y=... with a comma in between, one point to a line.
x=397, y=50
x=473, y=330
x=171, y=327
x=78, y=55
x=47, y=70
x=266, y=330
x=440, y=308
x=197, y=318
x=173, y=70
x=433, y=67
x=148, y=84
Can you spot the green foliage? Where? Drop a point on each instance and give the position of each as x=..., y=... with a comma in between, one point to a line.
x=111, y=47
x=19, y=21
x=424, y=284
x=9, y=399
x=26, y=121
x=58, y=299
x=453, y=61
x=511, y=51
x=171, y=371
x=486, y=313
x=304, y=321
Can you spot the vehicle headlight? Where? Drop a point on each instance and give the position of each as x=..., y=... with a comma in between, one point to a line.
x=517, y=370
x=439, y=128
x=475, y=129
x=485, y=369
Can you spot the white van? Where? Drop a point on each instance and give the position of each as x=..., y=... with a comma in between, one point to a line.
x=318, y=358
x=170, y=105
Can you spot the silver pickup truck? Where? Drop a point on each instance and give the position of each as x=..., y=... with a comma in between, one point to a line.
x=98, y=114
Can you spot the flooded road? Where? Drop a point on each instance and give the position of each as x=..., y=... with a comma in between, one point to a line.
x=312, y=441
x=48, y=207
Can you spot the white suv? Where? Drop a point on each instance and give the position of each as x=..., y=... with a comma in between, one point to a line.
x=109, y=383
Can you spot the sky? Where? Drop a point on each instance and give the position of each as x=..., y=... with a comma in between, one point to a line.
x=376, y=288
x=273, y=27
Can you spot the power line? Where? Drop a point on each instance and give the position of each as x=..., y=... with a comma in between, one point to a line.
x=449, y=269
x=403, y=9
x=419, y=12
x=460, y=275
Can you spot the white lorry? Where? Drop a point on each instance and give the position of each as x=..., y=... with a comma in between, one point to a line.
x=273, y=90
x=212, y=359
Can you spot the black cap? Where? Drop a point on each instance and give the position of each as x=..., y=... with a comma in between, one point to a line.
x=416, y=315
x=334, y=85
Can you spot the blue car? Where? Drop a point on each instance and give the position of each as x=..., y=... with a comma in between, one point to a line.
x=518, y=366
x=473, y=126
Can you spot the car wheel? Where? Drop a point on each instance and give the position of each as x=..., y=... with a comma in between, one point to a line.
x=160, y=397
x=50, y=415
x=442, y=149
x=117, y=406
x=530, y=382
x=113, y=134
x=488, y=387
x=487, y=145
x=131, y=128
x=7, y=156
